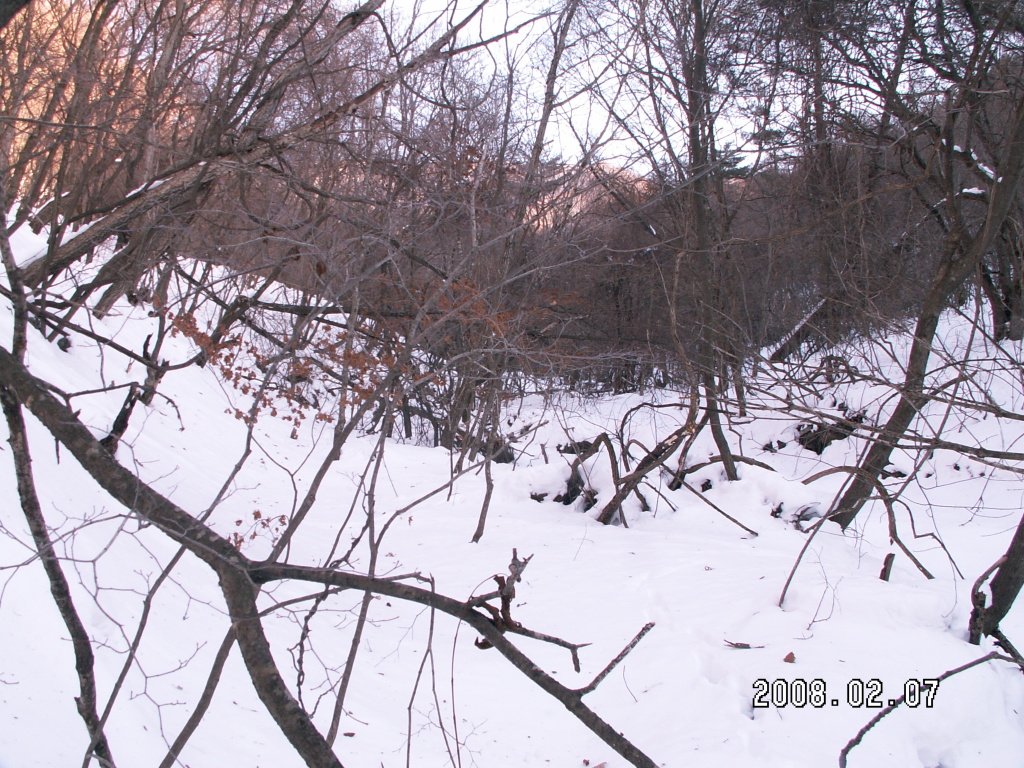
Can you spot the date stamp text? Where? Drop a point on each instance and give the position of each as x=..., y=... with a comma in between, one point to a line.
x=801, y=693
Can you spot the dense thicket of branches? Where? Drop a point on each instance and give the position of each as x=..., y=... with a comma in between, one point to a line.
x=371, y=214
x=784, y=154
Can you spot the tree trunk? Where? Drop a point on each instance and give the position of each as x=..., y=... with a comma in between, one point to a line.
x=85, y=702
x=1006, y=584
x=715, y=419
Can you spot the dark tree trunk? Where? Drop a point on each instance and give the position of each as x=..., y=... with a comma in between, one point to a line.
x=715, y=419
x=1006, y=584
x=9, y=9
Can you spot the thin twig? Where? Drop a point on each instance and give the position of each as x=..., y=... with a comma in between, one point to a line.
x=616, y=661
x=789, y=580
x=874, y=721
x=717, y=508
x=573, y=647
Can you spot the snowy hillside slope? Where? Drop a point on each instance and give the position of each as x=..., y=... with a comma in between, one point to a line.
x=421, y=693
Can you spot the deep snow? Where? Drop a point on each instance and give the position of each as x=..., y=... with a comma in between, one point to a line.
x=684, y=695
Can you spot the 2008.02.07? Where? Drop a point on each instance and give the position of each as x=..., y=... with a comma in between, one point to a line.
x=801, y=693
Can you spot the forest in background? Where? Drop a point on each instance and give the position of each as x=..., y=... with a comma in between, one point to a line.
x=401, y=219
x=620, y=195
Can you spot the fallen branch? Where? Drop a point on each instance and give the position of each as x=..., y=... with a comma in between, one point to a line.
x=571, y=699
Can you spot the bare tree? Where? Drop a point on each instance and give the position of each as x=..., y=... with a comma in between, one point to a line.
x=941, y=138
x=676, y=72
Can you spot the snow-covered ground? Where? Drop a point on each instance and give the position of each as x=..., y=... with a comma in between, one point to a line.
x=422, y=694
